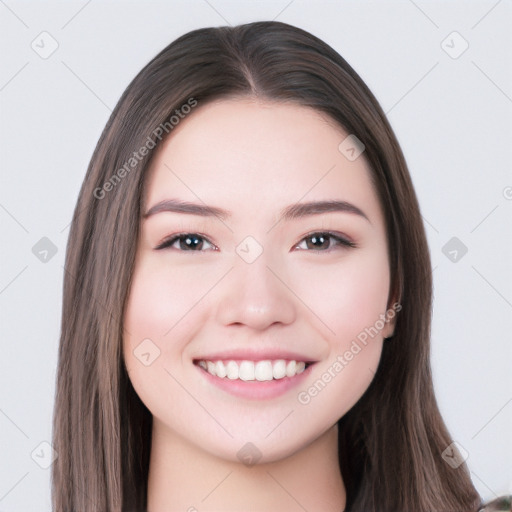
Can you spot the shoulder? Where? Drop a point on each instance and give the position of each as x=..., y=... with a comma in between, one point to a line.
x=501, y=504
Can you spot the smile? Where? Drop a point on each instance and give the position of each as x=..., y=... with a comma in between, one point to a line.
x=253, y=370
x=256, y=380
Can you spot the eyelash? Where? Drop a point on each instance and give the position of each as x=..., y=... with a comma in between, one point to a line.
x=340, y=240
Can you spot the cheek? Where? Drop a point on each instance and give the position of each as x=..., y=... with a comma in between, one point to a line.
x=348, y=296
x=157, y=313
x=150, y=314
x=162, y=300
x=162, y=314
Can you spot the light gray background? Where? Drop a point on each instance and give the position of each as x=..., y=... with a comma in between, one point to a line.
x=452, y=117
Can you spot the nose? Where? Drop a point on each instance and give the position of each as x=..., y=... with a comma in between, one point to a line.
x=255, y=295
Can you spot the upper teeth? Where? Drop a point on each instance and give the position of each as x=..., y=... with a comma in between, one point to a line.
x=251, y=370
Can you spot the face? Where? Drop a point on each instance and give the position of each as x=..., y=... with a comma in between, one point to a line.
x=261, y=282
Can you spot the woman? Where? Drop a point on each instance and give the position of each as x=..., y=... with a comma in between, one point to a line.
x=285, y=364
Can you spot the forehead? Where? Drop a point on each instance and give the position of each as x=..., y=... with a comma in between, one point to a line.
x=255, y=156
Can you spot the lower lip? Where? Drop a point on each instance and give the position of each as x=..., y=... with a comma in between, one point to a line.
x=255, y=389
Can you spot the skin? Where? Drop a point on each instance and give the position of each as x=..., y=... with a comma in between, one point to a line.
x=254, y=158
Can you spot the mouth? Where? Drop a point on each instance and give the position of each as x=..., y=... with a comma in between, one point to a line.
x=257, y=380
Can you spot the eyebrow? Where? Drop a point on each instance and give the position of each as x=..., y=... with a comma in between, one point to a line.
x=292, y=212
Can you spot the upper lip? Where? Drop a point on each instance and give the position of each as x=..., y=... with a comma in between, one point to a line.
x=255, y=355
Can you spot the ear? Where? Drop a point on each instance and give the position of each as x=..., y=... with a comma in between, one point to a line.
x=394, y=306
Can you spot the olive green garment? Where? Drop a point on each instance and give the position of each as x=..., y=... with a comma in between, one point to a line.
x=501, y=504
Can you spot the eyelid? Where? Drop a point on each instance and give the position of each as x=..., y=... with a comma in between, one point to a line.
x=343, y=240
x=334, y=234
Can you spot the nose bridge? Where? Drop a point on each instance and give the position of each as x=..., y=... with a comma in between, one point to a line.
x=252, y=294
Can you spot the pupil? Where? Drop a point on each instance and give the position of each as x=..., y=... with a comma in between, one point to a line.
x=316, y=239
x=192, y=242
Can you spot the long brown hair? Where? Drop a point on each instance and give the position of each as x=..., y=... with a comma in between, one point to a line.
x=391, y=441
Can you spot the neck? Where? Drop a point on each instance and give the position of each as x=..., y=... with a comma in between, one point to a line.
x=182, y=477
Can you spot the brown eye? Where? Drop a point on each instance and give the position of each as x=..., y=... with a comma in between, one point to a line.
x=321, y=242
x=191, y=242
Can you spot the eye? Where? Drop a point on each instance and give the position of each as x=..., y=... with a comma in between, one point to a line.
x=192, y=242
x=321, y=241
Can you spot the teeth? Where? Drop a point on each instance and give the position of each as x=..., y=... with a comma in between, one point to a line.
x=263, y=370
x=279, y=369
x=210, y=367
x=220, y=369
x=232, y=370
x=251, y=370
x=290, y=368
x=246, y=371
